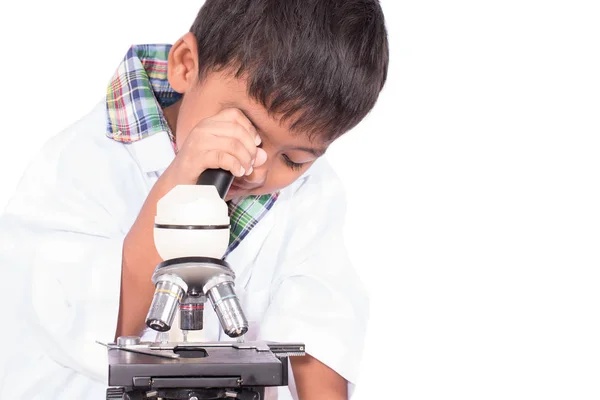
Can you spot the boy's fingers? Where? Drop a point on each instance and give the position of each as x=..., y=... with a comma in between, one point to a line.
x=234, y=114
x=231, y=146
x=227, y=129
x=261, y=157
x=222, y=160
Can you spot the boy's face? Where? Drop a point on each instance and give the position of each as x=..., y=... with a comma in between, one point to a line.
x=289, y=154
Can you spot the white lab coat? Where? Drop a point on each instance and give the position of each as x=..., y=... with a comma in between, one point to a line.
x=60, y=253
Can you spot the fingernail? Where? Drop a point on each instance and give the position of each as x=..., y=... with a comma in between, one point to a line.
x=261, y=156
x=242, y=171
x=250, y=171
x=257, y=140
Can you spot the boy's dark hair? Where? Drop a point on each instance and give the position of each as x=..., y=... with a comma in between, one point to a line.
x=322, y=62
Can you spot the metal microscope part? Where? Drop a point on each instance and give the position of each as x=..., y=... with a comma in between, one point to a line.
x=195, y=271
x=216, y=279
x=173, y=276
x=202, y=370
x=191, y=312
x=198, y=365
x=168, y=293
x=287, y=349
x=125, y=341
x=166, y=350
x=140, y=349
x=221, y=292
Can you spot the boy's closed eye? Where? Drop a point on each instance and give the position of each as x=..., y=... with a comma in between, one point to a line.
x=296, y=166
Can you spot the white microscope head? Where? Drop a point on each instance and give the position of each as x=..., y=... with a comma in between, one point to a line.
x=191, y=221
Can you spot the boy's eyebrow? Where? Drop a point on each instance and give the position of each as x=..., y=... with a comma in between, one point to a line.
x=316, y=152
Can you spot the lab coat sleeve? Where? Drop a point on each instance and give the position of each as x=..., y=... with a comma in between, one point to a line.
x=63, y=247
x=317, y=297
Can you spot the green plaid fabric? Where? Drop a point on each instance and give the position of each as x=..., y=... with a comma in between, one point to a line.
x=245, y=214
x=135, y=97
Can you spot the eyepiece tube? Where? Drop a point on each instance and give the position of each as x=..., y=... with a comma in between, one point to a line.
x=219, y=178
x=169, y=292
x=221, y=293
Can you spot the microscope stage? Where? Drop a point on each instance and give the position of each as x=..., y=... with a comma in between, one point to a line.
x=193, y=365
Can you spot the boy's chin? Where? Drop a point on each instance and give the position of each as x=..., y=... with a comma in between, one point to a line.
x=230, y=197
x=234, y=193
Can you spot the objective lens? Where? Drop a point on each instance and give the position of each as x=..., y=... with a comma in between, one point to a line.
x=168, y=293
x=191, y=312
x=220, y=291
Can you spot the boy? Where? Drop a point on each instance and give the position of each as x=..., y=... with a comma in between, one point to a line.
x=257, y=87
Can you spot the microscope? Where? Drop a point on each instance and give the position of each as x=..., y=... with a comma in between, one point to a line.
x=191, y=234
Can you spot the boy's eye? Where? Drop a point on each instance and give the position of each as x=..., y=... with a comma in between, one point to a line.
x=291, y=164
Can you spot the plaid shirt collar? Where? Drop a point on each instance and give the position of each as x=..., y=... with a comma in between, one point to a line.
x=137, y=94
x=135, y=98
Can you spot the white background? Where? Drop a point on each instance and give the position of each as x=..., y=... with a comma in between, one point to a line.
x=473, y=185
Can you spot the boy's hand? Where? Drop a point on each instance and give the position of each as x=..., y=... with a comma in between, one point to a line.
x=227, y=140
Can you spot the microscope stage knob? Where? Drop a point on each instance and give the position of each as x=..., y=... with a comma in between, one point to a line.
x=128, y=340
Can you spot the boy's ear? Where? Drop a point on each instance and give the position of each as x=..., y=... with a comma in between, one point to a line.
x=182, y=69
